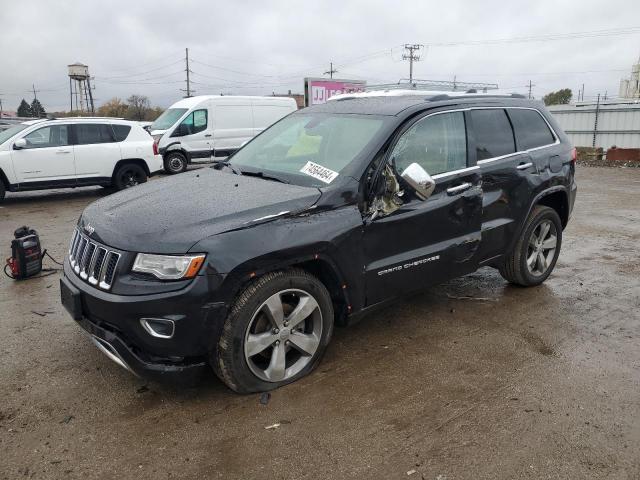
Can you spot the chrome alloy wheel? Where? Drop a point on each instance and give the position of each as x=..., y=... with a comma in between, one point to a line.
x=542, y=248
x=283, y=335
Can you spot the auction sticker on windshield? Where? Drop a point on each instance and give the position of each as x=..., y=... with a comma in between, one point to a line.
x=319, y=172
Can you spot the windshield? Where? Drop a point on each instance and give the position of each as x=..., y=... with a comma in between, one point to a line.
x=308, y=149
x=10, y=132
x=168, y=119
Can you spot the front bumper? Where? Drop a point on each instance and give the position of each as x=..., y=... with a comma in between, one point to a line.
x=113, y=322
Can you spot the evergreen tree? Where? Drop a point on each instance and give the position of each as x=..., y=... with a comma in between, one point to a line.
x=37, y=110
x=24, y=110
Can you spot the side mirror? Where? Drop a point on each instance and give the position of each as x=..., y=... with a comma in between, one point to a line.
x=419, y=180
x=19, y=144
x=180, y=131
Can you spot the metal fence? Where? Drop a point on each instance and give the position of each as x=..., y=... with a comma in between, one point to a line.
x=604, y=125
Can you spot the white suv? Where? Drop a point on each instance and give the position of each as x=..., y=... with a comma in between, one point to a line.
x=75, y=152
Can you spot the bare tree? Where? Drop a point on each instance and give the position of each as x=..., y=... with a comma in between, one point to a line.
x=139, y=106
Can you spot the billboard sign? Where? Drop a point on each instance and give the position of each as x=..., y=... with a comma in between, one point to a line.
x=319, y=90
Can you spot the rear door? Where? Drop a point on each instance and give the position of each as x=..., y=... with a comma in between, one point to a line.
x=425, y=242
x=506, y=181
x=47, y=158
x=96, y=152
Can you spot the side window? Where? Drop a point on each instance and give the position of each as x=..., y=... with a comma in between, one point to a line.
x=51, y=136
x=195, y=122
x=438, y=143
x=494, y=136
x=121, y=132
x=92, y=133
x=530, y=128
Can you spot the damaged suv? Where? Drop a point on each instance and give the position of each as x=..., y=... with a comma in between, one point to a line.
x=331, y=212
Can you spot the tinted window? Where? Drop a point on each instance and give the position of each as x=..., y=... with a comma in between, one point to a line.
x=51, y=136
x=438, y=143
x=494, y=136
x=89, y=133
x=195, y=122
x=121, y=132
x=530, y=128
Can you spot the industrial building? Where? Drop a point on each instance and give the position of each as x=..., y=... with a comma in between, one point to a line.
x=602, y=125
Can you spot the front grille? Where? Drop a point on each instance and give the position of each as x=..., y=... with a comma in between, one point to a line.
x=91, y=261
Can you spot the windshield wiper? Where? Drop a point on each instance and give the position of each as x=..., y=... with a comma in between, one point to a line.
x=217, y=164
x=264, y=175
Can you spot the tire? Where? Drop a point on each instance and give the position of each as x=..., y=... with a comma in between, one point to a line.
x=535, y=243
x=2, y=191
x=246, y=365
x=129, y=175
x=175, y=162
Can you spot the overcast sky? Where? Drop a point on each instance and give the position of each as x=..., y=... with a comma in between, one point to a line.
x=258, y=47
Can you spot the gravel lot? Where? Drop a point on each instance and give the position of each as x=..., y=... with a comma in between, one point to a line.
x=472, y=379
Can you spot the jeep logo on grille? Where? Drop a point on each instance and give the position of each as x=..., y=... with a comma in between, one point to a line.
x=89, y=229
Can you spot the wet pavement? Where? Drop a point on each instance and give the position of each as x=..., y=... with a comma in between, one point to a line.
x=471, y=379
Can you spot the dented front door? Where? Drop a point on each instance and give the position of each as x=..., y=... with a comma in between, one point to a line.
x=425, y=242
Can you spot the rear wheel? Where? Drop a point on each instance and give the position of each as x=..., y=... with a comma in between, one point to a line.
x=276, y=333
x=175, y=162
x=536, y=252
x=129, y=175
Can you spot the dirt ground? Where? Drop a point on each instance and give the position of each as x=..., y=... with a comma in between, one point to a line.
x=510, y=383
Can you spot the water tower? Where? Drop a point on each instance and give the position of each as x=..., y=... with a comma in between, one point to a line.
x=80, y=88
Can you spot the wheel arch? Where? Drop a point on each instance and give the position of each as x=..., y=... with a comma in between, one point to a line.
x=176, y=147
x=4, y=179
x=125, y=161
x=320, y=266
x=558, y=199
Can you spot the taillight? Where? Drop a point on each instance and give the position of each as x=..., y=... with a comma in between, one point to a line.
x=155, y=148
x=574, y=155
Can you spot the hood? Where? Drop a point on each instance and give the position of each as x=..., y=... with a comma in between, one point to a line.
x=172, y=214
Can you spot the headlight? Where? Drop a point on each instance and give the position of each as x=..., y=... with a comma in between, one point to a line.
x=168, y=267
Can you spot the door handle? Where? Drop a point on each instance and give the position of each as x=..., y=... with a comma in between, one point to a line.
x=207, y=135
x=61, y=152
x=524, y=166
x=459, y=188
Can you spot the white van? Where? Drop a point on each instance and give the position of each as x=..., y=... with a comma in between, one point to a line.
x=213, y=126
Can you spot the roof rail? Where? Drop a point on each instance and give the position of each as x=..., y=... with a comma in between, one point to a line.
x=445, y=96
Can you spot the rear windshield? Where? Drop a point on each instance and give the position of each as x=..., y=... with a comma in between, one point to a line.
x=168, y=119
x=11, y=131
x=121, y=132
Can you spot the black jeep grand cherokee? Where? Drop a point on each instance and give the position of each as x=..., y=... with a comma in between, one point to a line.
x=330, y=212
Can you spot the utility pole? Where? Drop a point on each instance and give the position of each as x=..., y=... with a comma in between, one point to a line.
x=331, y=70
x=531, y=85
x=454, y=83
x=0, y=109
x=595, y=124
x=35, y=97
x=412, y=57
x=582, y=92
x=186, y=58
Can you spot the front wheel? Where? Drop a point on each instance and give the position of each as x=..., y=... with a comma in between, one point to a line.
x=175, y=162
x=536, y=251
x=276, y=333
x=129, y=175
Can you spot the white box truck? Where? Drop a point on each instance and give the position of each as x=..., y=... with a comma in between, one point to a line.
x=209, y=126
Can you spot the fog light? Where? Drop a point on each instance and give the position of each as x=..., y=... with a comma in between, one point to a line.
x=158, y=327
